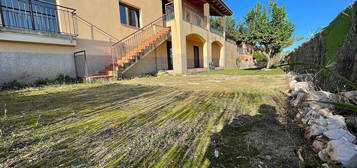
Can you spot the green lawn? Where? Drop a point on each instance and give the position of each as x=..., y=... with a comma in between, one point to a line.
x=172, y=121
x=245, y=72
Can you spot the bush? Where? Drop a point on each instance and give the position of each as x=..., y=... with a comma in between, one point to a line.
x=259, y=56
x=60, y=80
x=13, y=85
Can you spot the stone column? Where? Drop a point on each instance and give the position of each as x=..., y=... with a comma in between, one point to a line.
x=206, y=12
x=222, y=58
x=207, y=47
x=178, y=40
x=223, y=23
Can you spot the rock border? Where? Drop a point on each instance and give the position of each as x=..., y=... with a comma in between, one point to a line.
x=328, y=132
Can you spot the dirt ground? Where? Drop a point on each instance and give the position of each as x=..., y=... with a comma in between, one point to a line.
x=168, y=121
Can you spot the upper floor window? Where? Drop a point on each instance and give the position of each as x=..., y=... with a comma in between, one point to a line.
x=129, y=15
x=30, y=14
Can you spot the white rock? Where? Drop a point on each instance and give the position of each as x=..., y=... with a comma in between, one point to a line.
x=339, y=134
x=298, y=100
x=323, y=155
x=292, y=84
x=293, y=93
x=343, y=152
x=311, y=115
x=303, y=87
x=321, y=96
x=318, y=145
x=303, y=77
x=351, y=96
x=216, y=153
x=291, y=74
x=325, y=112
x=320, y=122
x=315, y=130
x=336, y=122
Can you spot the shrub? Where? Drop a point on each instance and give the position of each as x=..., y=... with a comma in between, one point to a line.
x=259, y=56
x=13, y=85
x=60, y=80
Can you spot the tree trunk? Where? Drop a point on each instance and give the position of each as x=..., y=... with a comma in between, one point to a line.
x=269, y=58
x=269, y=63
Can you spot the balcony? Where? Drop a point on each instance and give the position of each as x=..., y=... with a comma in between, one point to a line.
x=216, y=27
x=38, y=17
x=192, y=16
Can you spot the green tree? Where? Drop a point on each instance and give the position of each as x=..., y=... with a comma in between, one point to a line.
x=268, y=29
x=231, y=26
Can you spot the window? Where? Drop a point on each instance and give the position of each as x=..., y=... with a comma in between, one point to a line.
x=129, y=15
x=29, y=14
x=123, y=14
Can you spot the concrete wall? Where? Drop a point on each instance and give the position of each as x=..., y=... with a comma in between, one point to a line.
x=151, y=63
x=47, y=61
x=106, y=16
x=231, y=55
x=26, y=62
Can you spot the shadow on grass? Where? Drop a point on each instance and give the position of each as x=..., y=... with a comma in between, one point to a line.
x=259, y=141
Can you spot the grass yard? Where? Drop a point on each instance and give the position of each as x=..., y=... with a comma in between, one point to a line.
x=189, y=121
x=245, y=72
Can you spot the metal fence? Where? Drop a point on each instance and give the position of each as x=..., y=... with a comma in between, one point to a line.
x=37, y=15
x=216, y=29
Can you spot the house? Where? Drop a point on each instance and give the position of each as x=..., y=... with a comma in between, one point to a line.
x=99, y=39
x=245, y=55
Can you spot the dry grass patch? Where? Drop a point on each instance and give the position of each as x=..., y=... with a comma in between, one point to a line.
x=147, y=122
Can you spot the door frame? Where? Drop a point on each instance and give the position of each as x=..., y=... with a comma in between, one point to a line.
x=196, y=56
x=170, y=65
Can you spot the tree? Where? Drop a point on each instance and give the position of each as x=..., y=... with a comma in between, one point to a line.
x=231, y=26
x=268, y=29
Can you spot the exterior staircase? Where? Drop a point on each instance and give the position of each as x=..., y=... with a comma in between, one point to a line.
x=128, y=51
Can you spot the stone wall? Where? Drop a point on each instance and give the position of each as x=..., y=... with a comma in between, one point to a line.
x=314, y=52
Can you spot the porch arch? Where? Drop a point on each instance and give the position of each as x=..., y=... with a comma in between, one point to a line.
x=194, y=47
x=217, y=52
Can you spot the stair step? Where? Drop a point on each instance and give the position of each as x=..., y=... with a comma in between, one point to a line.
x=131, y=55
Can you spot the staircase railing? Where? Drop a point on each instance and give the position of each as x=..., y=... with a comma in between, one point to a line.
x=134, y=40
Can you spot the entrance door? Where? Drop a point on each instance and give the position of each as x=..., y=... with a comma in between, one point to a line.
x=169, y=56
x=196, y=56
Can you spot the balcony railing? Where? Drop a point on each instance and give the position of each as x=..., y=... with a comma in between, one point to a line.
x=193, y=17
x=127, y=46
x=170, y=11
x=37, y=15
x=217, y=29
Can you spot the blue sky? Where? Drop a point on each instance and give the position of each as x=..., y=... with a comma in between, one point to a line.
x=309, y=16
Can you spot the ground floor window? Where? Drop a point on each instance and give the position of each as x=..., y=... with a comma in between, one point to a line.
x=30, y=14
x=129, y=15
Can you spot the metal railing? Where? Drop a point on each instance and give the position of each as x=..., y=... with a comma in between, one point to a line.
x=129, y=44
x=216, y=29
x=231, y=40
x=193, y=17
x=95, y=28
x=37, y=15
x=170, y=11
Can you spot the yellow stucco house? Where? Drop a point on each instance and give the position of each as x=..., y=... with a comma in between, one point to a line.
x=110, y=38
